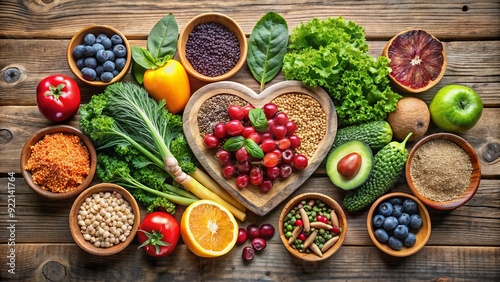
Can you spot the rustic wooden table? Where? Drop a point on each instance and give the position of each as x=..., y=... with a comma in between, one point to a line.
x=464, y=244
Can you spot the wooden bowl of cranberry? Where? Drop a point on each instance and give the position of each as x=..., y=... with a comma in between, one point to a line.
x=197, y=42
x=312, y=226
x=443, y=171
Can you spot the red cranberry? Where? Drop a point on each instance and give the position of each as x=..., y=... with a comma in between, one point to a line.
x=248, y=254
x=242, y=236
x=253, y=231
x=266, y=231
x=266, y=185
x=258, y=244
x=270, y=110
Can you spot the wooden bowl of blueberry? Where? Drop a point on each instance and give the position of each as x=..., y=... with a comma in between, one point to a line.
x=399, y=224
x=99, y=55
x=212, y=47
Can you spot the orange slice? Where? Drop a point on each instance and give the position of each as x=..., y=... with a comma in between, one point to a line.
x=208, y=229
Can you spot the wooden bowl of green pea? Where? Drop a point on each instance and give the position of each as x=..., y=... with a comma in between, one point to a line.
x=312, y=226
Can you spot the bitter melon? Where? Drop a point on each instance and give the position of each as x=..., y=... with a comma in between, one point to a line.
x=388, y=164
x=375, y=134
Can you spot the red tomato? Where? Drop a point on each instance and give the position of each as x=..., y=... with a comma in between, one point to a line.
x=158, y=234
x=58, y=97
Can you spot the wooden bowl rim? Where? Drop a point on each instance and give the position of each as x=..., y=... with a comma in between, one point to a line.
x=469, y=192
x=219, y=18
x=342, y=222
x=37, y=136
x=426, y=219
x=94, y=29
x=75, y=228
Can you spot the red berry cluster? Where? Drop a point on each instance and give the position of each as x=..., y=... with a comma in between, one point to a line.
x=273, y=154
x=258, y=236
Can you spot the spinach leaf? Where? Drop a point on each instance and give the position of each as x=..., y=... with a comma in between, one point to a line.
x=253, y=149
x=143, y=57
x=234, y=143
x=267, y=46
x=258, y=119
x=138, y=72
x=162, y=39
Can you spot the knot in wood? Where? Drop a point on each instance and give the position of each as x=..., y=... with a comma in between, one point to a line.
x=491, y=152
x=11, y=75
x=54, y=271
x=5, y=136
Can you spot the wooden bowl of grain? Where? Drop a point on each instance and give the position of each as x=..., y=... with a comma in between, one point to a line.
x=63, y=153
x=443, y=171
x=193, y=50
x=288, y=225
x=109, y=207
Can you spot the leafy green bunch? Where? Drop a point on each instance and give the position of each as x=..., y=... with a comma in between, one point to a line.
x=134, y=134
x=333, y=54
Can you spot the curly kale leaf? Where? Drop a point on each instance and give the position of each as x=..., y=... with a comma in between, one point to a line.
x=333, y=54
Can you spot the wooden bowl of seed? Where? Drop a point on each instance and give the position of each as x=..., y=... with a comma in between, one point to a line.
x=443, y=171
x=104, y=219
x=208, y=32
x=312, y=226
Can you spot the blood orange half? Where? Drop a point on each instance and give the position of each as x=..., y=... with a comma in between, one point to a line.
x=417, y=60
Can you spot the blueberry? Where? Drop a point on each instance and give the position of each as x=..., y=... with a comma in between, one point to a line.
x=120, y=63
x=410, y=206
x=116, y=39
x=395, y=243
x=378, y=220
x=97, y=47
x=111, y=55
x=396, y=201
x=108, y=66
x=102, y=56
x=106, y=42
x=80, y=63
x=385, y=209
x=90, y=62
x=89, y=51
x=115, y=72
x=78, y=52
x=401, y=231
x=390, y=223
x=404, y=219
x=89, y=39
x=106, y=76
x=415, y=221
x=410, y=240
x=88, y=73
x=100, y=37
x=381, y=235
x=99, y=70
x=120, y=50
x=397, y=210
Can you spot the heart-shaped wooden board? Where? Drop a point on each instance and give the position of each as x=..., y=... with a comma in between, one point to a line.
x=251, y=197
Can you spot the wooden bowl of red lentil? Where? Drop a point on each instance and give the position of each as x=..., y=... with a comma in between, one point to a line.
x=194, y=47
x=58, y=162
x=328, y=237
x=104, y=219
x=443, y=171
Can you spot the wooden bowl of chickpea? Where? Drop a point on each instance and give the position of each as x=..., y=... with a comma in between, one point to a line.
x=104, y=219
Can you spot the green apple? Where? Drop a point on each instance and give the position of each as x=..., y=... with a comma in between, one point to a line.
x=456, y=108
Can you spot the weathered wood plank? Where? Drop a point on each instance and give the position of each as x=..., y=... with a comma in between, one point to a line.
x=483, y=210
x=381, y=19
x=481, y=71
x=66, y=262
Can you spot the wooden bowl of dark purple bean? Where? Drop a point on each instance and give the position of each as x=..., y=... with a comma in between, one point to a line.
x=312, y=226
x=104, y=219
x=208, y=32
x=443, y=171
x=398, y=224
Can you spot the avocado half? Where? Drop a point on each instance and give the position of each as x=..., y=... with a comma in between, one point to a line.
x=353, y=146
